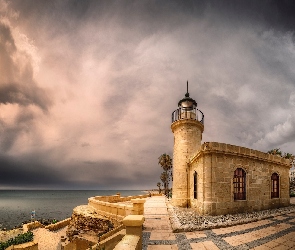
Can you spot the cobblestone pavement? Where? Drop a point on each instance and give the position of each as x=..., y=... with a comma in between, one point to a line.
x=274, y=233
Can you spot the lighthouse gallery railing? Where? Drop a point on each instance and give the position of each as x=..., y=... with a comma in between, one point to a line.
x=194, y=114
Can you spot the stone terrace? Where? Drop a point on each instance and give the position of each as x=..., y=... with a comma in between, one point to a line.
x=277, y=232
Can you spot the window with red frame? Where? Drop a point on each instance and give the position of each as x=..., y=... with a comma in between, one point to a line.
x=275, y=181
x=239, y=184
x=195, y=185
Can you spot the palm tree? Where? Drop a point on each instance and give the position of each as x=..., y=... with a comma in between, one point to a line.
x=166, y=163
x=159, y=186
x=164, y=179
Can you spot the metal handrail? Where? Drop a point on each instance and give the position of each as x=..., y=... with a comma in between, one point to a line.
x=193, y=114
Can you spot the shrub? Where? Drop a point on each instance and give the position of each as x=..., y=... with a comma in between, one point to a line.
x=21, y=238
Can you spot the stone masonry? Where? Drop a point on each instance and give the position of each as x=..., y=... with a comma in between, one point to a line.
x=203, y=174
x=187, y=139
x=215, y=164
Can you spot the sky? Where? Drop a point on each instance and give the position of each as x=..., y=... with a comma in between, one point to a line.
x=87, y=88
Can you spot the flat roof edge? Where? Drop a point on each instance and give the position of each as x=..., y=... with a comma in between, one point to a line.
x=228, y=149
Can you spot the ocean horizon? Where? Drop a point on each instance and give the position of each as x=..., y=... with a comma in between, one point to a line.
x=16, y=205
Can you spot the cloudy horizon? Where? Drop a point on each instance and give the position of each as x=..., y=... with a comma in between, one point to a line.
x=87, y=88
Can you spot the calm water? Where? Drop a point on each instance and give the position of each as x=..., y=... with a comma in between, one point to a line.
x=16, y=206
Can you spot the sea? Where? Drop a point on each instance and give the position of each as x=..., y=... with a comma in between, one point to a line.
x=16, y=206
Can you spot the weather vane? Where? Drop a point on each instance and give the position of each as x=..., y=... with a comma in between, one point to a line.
x=187, y=93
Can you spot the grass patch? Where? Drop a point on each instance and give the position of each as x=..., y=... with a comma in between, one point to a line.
x=21, y=238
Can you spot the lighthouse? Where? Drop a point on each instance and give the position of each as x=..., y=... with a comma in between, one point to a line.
x=187, y=127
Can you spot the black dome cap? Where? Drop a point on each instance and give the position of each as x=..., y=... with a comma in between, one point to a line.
x=187, y=98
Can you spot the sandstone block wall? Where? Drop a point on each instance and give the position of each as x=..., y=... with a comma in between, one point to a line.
x=31, y=226
x=58, y=225
x=187, y=140
x=110, y=242
x=215, y=164
x=118, y=211
x=133, y=238
x=25, y=246
x=198, y=168
x=118, y=198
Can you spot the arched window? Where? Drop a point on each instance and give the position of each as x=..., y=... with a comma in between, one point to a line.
x=239, y=184
x=195, y=185
x=275, y=185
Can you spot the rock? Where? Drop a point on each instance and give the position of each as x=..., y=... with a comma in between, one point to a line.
x=85, y=220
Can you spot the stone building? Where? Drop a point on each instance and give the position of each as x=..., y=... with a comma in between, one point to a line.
x=217, y=178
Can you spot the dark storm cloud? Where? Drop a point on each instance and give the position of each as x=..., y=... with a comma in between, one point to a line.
x=151, y=16
x=24, y=95
x=16, y=81
x=108, y=174
x=18, y=87
x=24, y=123
x=7, y=42
x=25, y=172
x=36, y=170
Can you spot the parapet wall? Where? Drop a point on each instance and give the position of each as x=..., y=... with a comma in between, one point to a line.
x=242, y=151
x=31, y=226
x=117, y=198
x=25, y=246
x=58, y=225
x=117, y=207
x=51, y=227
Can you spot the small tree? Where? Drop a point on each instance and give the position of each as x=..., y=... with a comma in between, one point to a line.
x=159, y=186
x=291, y=158
x=166, y=163
x=275, y=151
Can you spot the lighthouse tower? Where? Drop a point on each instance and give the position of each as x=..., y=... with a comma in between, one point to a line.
x=187, y=127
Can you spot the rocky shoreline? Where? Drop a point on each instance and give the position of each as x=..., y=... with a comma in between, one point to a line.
x=187, y=219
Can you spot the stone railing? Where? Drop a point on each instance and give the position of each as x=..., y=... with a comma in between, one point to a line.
x=112, y=232
x=58, y=225
x=132, y=240
x=52, y=227
x=31, y=226
x=116, y=207
x=25, y=246
x=118, y=198
x=107, y=241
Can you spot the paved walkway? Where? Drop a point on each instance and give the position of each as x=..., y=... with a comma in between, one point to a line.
x=274, y=233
